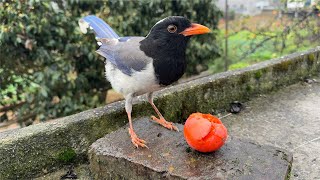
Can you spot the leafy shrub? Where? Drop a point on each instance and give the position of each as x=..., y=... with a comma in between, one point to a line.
x=47, y=63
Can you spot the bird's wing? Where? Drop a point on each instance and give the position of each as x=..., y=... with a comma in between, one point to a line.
x=123, y=52
x=126, y=55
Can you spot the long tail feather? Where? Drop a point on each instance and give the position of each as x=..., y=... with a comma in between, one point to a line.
x=101, y=28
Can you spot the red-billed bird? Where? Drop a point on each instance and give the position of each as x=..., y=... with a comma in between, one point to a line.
x=139, y=65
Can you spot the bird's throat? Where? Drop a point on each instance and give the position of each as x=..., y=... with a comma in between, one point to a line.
x=169, y=60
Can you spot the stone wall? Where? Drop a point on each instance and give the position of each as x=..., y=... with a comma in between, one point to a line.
x=41, y=148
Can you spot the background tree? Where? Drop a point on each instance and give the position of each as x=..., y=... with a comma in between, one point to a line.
x=271, y=34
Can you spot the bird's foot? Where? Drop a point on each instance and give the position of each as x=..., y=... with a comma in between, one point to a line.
x=164, y=123
x=137, y=141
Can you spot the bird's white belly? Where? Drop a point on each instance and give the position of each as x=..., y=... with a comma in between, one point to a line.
x=139, y=82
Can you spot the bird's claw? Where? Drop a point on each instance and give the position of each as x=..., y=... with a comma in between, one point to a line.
x=164, y=123
x=137, y=141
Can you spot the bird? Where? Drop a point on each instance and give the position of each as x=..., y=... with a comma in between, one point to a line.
x=137, y=65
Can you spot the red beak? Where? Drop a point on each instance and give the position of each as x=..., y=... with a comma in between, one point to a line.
x=195, y=29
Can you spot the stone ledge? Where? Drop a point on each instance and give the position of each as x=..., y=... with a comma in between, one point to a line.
x=41, y=148
x=114, y=157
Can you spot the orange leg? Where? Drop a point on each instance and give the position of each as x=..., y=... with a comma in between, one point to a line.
x=136, y=141
x=160, y=120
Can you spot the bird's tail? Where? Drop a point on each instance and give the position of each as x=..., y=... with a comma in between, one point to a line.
x=101, y=28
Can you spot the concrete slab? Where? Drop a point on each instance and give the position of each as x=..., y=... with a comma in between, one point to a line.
x=288, y=119
x=169, y=157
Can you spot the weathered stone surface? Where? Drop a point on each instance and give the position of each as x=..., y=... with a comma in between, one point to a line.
x=41, y=148
x=81, y=172
x=288, y=119
x=114, y=157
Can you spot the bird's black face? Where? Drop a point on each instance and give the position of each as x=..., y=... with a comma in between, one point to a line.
x=174, y=31
x=170, y=27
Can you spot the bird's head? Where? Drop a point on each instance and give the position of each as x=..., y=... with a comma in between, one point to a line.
x=176, y=27
x=174, y=31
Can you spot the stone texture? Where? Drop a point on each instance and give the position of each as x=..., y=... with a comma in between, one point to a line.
x=288, y=119
x=114, y=157
x=81, y=172
x=45, y=147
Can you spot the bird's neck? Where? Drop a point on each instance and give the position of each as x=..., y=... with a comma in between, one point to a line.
x=169, y=59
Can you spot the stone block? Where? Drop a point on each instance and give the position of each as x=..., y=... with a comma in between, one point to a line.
x=169, y=157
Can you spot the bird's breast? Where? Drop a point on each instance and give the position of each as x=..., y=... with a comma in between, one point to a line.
x=139, y=82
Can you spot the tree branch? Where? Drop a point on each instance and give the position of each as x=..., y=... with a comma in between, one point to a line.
x=11, y=106
x=16, y=120
x=283, y=35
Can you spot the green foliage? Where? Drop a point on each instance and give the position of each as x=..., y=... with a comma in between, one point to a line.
x=49, y=64
x=46, y=61
x=244, y=40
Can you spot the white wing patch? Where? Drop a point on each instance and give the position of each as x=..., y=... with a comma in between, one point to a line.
x=83, y=26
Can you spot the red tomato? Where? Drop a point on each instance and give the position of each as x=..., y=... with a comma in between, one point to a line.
x=204, y=132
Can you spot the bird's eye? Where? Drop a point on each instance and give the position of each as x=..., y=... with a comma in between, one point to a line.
x=172, y=28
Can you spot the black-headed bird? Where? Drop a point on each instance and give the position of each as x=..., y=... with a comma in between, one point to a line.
x=139, y=65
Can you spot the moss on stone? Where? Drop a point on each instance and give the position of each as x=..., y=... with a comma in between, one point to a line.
x=249, y=88
x=258, y=74
x=245, y=77
x=67, y=155
x=283, y=67
x=311, y=59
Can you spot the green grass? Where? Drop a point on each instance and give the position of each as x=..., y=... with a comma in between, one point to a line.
x=240, y=43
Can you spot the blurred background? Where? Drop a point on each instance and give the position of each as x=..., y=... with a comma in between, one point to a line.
x=49, y=69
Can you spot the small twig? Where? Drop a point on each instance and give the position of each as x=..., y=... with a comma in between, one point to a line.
x=225, y=116
x=257, y=46
x=283, y=34
x=306, y=143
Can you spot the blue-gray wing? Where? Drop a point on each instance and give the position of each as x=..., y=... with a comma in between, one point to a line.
x=123, y=52
x=125, y=55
